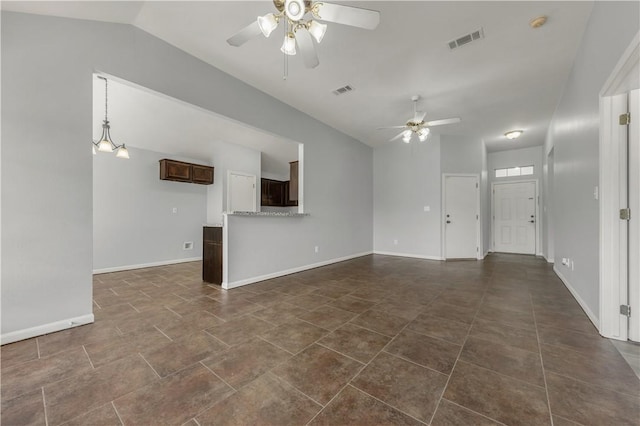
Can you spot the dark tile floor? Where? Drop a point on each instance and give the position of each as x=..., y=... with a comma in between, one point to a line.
x=375, y=340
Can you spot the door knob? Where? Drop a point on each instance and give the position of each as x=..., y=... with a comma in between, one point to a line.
x=532, y=221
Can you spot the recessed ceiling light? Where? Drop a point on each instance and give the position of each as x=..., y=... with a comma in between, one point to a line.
x=514, y=134
x=538, y=22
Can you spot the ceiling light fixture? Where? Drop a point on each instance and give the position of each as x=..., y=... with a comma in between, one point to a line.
x=513, y=134
x=300, y=31
x=538, y=22
x=105, y=144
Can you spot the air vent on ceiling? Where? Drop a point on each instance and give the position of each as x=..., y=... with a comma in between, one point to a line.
x=342, y=90
x=466, y=39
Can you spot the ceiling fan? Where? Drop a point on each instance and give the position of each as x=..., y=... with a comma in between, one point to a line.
x=300, y=31
x=417, y=125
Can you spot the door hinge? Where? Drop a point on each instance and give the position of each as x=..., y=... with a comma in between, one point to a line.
x=477, y=217
x=625, y=310
x=625, y=214
x=477, y=249
x=476, y=184
x=625, y=119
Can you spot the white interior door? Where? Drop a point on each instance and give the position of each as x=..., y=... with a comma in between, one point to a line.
x=514, y=211
x=461, y=212
x=241, y=194
x=634, y=221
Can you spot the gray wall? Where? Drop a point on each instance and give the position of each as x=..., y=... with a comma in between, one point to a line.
x=520, y=157
x=46, y=117
x=406, y=178
x=573, y=134
x=133, y=219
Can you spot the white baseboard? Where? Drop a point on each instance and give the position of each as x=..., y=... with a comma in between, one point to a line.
x=415, y=256
x=548, y=261
x=39, y=330
x=145, y=265
x=246, y=281
x=581, y=302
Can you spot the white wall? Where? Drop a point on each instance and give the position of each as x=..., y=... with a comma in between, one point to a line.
x=520, y=157
x=225, y=157
x=133, y=219
x=47, y=205
x=406, y=178
x=573, y=135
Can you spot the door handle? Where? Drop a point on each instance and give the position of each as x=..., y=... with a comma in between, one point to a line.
x=448, y=221
x=532, y=221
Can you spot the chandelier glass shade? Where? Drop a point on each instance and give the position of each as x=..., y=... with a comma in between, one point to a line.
x=105, y=143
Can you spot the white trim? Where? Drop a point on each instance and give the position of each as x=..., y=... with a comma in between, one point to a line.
x=229, y=285
x=414, y=256
x=538, y=216
x=145, y=265
x=443, y=215
x=51, y=327
x=548, y=261
x=613, y=292
x=592, y=317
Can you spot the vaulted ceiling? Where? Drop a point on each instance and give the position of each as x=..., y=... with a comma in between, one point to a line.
x=510, y=79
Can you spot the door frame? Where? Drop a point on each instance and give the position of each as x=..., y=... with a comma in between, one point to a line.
x=443, y=214
x=255, y=188
x=611, y=323
x=537, y=204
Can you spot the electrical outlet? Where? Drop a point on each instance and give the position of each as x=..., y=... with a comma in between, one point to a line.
x=395, y=242
x=187, y=245
x=316, y=248
x=175, y=210
x=427, y=208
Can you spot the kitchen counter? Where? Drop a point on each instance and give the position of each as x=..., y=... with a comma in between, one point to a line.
x=268, y=214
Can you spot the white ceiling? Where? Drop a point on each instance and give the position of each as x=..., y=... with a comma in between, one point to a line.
x=512, y=79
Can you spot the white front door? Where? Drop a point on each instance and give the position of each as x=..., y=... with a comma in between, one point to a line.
x=514, y=211
x=241, y=193
x=461, y=212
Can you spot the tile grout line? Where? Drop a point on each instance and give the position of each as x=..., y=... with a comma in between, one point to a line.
x=214, y=373
x=444, y=389
x=162, y=332
x=117, y=414
x=387, y=404
x=88, y=357
x=594, y=386
x=338, y=352
x=38, y=347
x=154, y=370
x=473, y=411
x=544, y=372
x=44, y=405
x=97, y=304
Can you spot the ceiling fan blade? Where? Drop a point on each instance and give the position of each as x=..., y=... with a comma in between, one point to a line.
x=398, y=136
x=347, y=15
x=307, y=48
x=443, y=121
x=244, y=35
x=390, y=127
x=419, y=116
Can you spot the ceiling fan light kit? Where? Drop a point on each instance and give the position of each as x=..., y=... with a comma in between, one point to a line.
x=417, y=125
x=300, y=31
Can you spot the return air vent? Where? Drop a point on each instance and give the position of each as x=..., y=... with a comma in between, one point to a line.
x=466, y=39
x=342, y=90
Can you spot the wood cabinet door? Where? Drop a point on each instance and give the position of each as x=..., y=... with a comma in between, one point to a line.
x=202, y=174
x=175, y=170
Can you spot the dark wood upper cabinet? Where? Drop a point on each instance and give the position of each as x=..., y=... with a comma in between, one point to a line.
x=185, y=172
x=293, y=181
x=202, y=174
x=272, y=192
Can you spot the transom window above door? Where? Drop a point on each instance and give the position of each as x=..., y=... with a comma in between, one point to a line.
x=514, y=171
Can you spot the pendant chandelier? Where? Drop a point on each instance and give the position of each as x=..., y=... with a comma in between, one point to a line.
x=105, y=144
